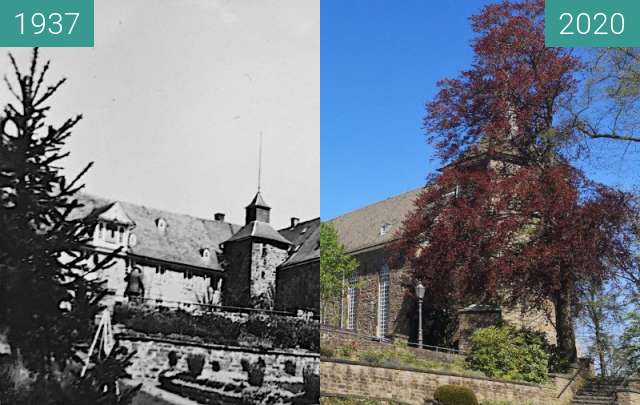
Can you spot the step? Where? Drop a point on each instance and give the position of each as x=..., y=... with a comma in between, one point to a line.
x=581, y=397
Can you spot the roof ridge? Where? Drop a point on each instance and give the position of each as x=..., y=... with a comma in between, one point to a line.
x=113, y=201
x=376, y=203
x=287, y=228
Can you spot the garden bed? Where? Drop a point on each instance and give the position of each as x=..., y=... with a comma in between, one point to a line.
x=250, y=330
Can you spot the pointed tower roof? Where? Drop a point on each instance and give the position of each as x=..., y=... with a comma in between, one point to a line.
x=259, y=230
x=258, y=201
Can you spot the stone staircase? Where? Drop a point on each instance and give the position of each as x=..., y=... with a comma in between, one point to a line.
x=598, y=391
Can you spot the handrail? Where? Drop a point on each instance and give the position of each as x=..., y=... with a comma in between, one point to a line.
x=383, y=340
x=580, y=368
x=209, y=306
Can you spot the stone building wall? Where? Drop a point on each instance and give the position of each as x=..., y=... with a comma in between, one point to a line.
x=152, y=357
x=161, y=283
x=367, y=294
x=265, y=258
x=236, y=287
x=469, y=322
x=298, y=287
x=540, y=320
x=403, y=307
x=346, y=378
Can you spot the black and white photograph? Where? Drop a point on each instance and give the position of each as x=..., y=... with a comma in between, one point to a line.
x=160, y=208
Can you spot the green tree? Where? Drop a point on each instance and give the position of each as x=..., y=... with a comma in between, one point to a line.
x=609, y=103
x=505, y=352
x=48, y=301
x=601, y=313
x=630, y=341
x=336, y=266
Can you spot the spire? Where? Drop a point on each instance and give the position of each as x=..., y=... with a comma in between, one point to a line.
x=260, y=163
x=257, y=210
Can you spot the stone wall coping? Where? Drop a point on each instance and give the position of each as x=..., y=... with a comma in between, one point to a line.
x=332, y=395
x=438, y=372
x=185, y=342
x=631, y=390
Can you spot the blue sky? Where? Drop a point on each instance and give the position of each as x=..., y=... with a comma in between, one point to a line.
x=379, y=65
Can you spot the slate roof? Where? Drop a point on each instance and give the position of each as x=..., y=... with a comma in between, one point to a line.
x=360, y=229
x=182, y=241
x=259, y=229
x=305, y=238
x=258, y=201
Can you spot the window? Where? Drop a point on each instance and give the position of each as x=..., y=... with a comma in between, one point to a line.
x=206, y=254
x=384, y=229
x=351, y=303
x=161, y=224
x=383, y=302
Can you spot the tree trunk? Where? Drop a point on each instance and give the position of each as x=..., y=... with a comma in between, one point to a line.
x=600, y=346
x=564, y=323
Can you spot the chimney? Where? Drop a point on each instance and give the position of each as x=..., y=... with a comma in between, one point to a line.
x=219, y=216
x=294, y=222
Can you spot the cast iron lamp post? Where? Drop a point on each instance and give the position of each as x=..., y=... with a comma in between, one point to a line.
x=420, y=295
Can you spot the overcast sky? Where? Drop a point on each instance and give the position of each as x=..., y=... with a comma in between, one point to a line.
x=175, y=94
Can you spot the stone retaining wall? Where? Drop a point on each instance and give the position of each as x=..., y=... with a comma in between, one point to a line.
x=347, y=378
x=332, y=338
x=630, y=395
x=152, y=357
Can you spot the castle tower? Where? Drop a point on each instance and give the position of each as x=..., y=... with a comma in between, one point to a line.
x=252, y=256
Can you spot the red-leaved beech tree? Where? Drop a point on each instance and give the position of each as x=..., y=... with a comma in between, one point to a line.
x=528, y=237
x=531, y=230
x=514, y=93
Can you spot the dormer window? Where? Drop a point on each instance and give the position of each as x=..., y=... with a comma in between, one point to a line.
x=205, y=254
x=384, y=229
x=161, y=224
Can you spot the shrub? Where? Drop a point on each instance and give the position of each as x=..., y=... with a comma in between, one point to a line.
x=290, y=367
x=455, y=395
x=326, y=351
x=173, y=358
x=195, y=363
x=280, y=331
x=311, y=385
x=215, y=366
x=255, y=371
x=505, y=352
x=345, y=351
x=374, y=357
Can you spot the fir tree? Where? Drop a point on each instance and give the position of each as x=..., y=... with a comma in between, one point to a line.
x=48, y=300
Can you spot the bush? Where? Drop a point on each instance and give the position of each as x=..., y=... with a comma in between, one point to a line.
x=508, y=353
x=326, y=351
x=455, y=395
x=311, y=385
x=374, y=357
x=281, y=331
x=173, y=358
x=255, y=371
x=195, y=362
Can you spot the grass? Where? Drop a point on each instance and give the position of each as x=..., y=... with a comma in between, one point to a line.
x=396, y=355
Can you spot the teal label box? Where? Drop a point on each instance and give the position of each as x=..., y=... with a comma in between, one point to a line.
x=46, y=23
x=592, y=23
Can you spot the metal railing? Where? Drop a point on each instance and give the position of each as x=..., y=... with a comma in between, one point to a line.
x=385, y=340
x=161, y=302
